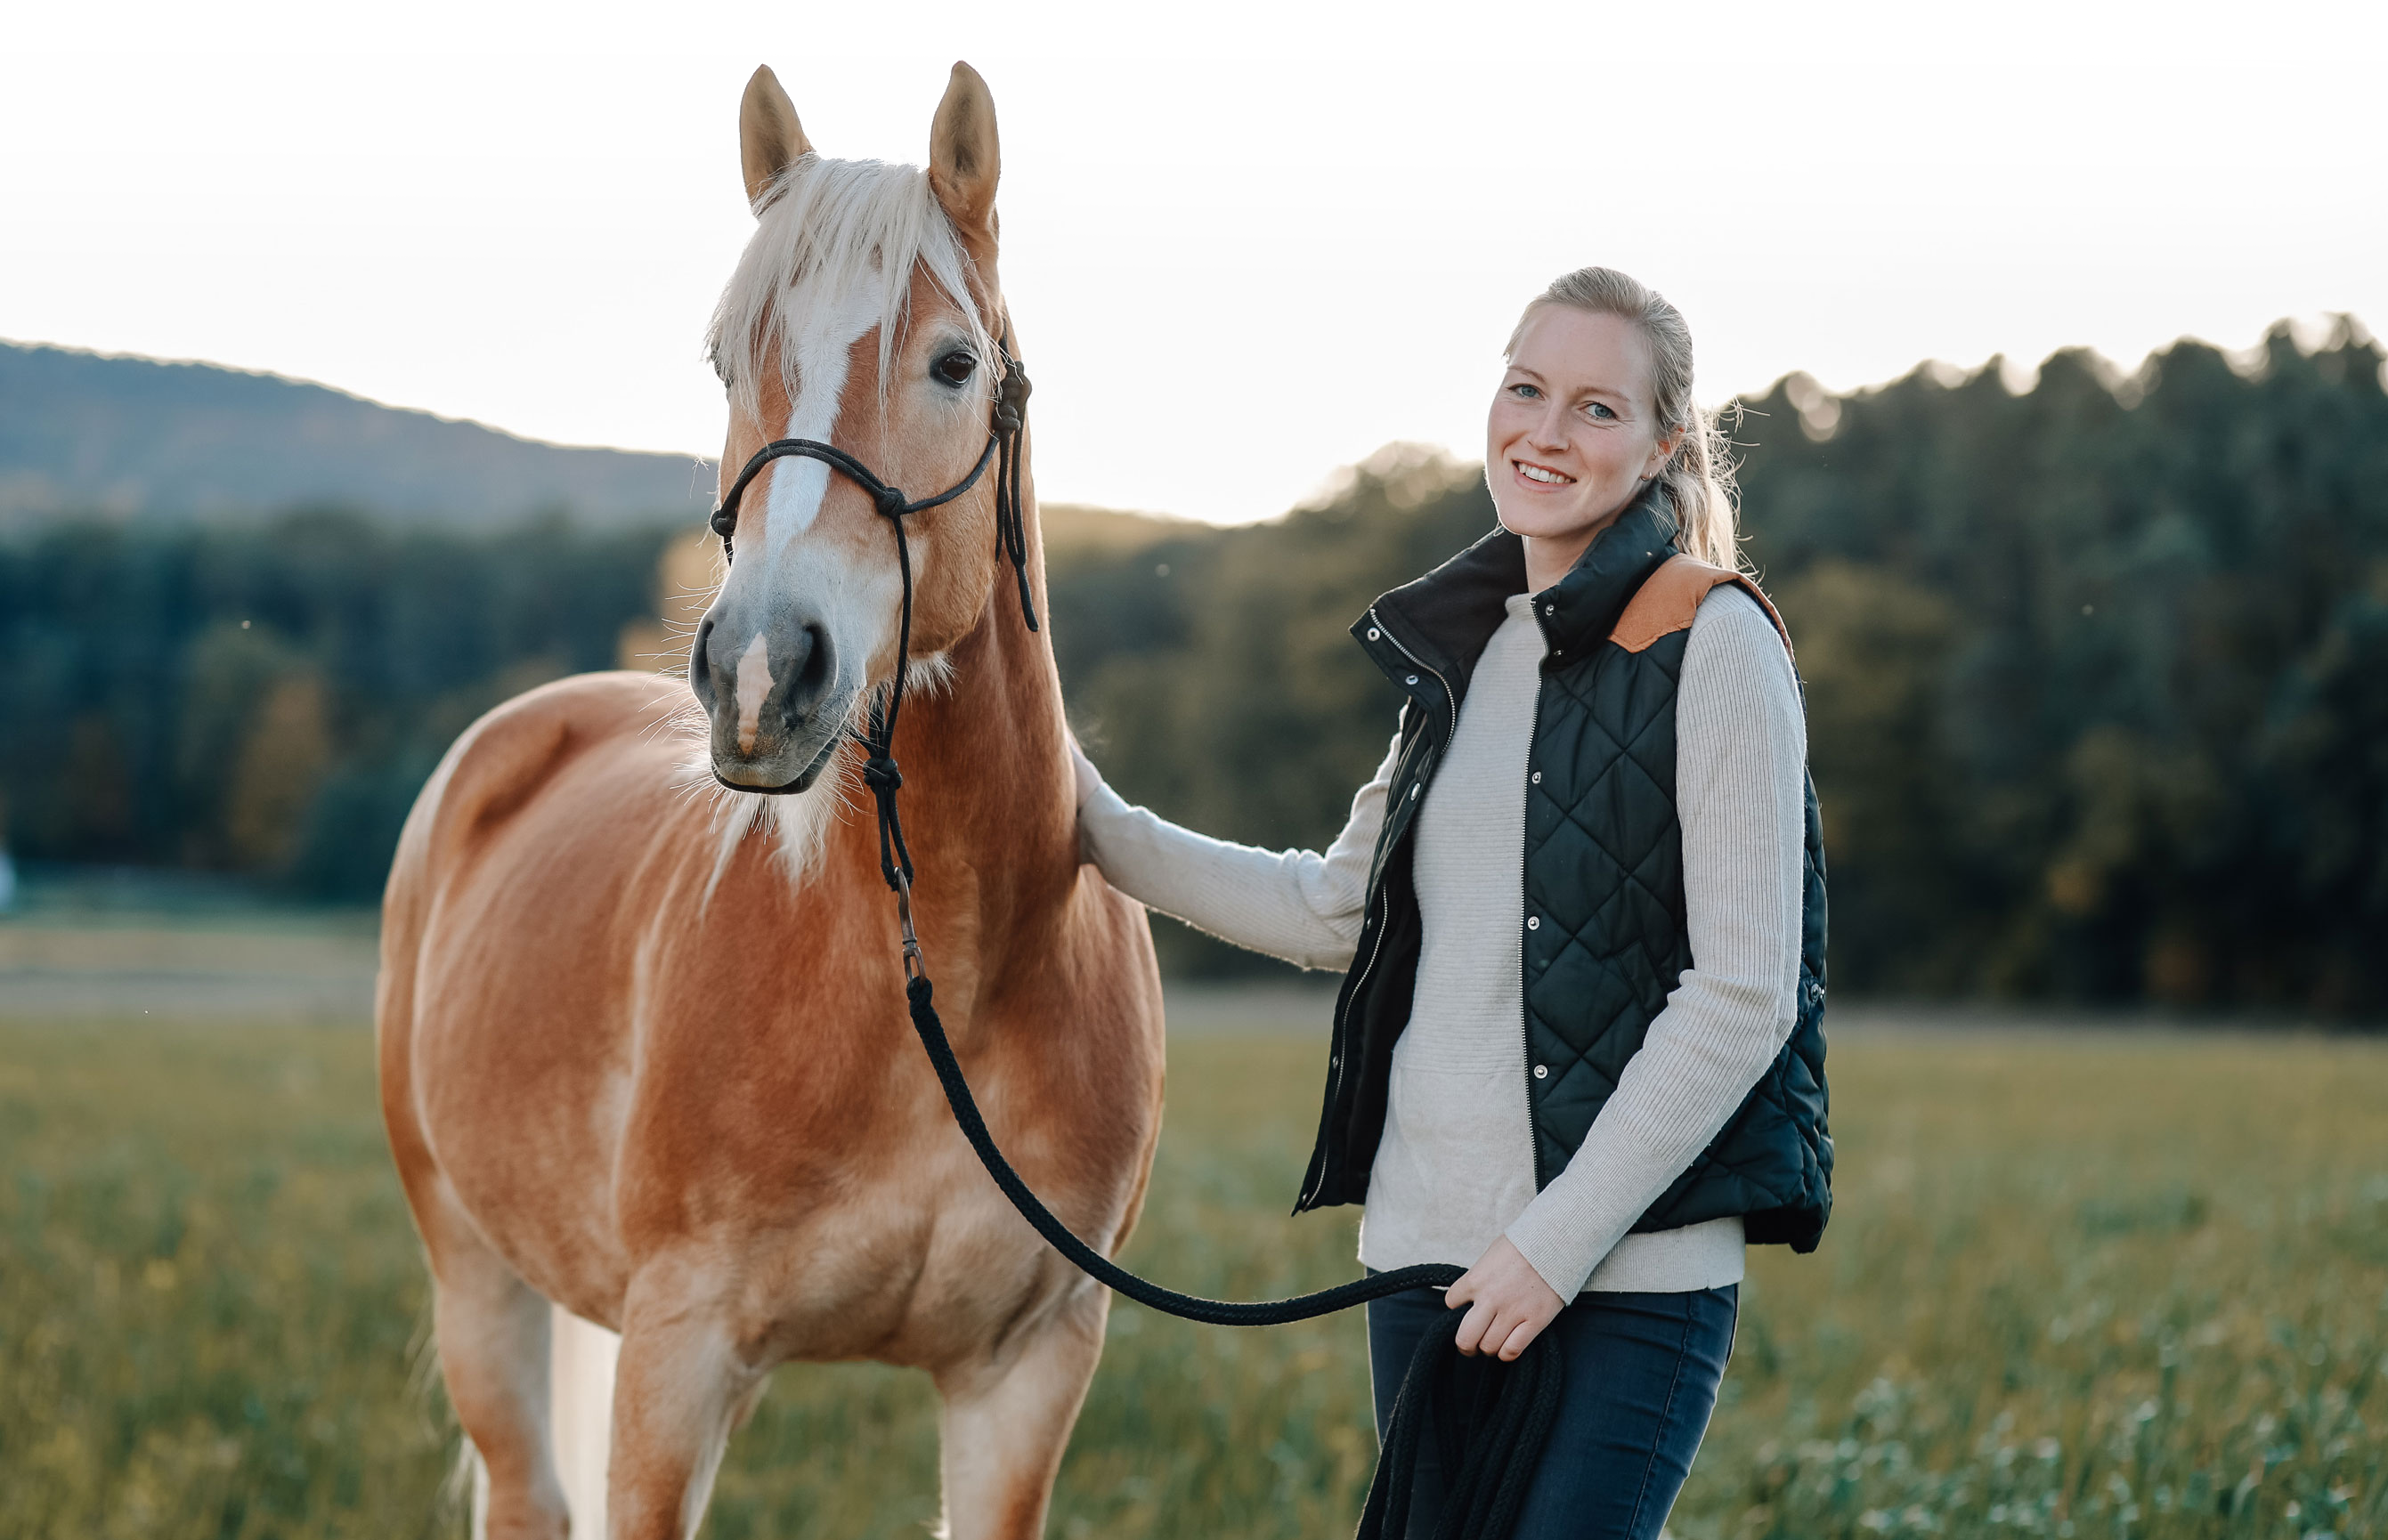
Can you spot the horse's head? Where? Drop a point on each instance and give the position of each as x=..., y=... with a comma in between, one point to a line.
x=865, y=314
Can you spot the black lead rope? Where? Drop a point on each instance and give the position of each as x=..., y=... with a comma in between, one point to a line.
x=1489, y=1420
x=1489, y=1430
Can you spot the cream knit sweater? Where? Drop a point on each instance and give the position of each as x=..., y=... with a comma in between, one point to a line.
x=1455, y=1167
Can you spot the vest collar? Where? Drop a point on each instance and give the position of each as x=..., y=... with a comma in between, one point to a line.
x=1579, y=611
x=1445, y=617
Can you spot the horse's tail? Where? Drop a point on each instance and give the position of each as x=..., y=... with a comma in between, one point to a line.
x=468, y=1486
x=581, y=1379
x=580, y=1429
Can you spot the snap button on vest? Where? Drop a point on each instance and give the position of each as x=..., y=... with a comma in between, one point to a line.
x=1372, y=633
x=1536, y=777
x=1541, y=1072
x=1411, y=680
x=1533, y=922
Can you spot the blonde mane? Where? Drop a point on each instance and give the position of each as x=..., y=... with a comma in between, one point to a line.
x=835, y=233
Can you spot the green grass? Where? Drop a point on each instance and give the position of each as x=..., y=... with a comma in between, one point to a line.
x=2101, y=1286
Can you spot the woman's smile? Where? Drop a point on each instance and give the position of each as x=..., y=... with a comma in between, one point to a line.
x=1536, y=475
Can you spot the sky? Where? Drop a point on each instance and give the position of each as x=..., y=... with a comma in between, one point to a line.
x=1245, y=243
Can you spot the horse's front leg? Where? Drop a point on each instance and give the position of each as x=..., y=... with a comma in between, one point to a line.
x=679, y=1387
x=1007, y=1420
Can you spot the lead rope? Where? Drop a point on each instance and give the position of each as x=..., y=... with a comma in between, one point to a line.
x=1489, y=1420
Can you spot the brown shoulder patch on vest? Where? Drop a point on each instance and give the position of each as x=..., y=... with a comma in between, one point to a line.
x=1666, y=602
x=1670, y=597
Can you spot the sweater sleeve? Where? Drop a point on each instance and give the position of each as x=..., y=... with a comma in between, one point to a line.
x=1740, y=760
x=1299, y=905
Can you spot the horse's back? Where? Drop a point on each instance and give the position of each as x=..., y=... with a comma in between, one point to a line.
x=503, y=760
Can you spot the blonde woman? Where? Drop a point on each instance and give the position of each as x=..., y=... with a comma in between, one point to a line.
x=1579, y=1049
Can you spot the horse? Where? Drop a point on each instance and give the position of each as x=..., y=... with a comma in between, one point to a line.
x=643, y=1051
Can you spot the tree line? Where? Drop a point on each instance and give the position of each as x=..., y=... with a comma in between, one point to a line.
x=2097, y=671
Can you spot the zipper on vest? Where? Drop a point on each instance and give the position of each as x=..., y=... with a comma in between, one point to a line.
x=1342, y=1054
x=1450, y=711
x=1343, y=1047
x=1525, y=900
x=1450, y=698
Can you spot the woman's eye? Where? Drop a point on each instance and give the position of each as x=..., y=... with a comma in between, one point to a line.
x=1527, y=392
x=956, y=367
x=1600, y=413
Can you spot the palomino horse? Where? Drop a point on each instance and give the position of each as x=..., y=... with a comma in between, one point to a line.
x=642, y=1036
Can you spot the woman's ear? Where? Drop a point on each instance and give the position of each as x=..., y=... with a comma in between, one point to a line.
x=1663, y=451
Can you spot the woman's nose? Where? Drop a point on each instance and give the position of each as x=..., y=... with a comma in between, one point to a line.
x=1549, y=429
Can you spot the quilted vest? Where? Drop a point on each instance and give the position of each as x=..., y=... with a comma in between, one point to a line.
x=1602, y=872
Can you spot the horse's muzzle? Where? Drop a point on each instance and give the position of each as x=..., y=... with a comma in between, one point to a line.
x=771, y=701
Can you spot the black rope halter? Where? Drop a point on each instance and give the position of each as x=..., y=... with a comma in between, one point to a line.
x=1489, y=1434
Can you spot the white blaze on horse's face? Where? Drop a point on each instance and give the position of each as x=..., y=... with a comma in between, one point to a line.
x=824, y=346
x=853, y=319
x=781, y=656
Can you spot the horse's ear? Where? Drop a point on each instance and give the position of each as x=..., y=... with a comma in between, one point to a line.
x=963, y=160
x=769, y=138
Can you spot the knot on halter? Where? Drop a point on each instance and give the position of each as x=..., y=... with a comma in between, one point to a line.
x=725, y=520
x=1011, y=399
x=879, y=773
x=890, y=503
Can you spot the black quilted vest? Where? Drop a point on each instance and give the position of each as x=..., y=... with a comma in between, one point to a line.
x=1604, y=888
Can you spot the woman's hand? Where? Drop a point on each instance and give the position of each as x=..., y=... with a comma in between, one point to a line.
x=1508, y=1303
x=1085, y=779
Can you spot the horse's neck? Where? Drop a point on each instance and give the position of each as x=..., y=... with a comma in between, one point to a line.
x=988, y=802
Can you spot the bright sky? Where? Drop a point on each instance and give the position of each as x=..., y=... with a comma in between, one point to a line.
x=1246, y=243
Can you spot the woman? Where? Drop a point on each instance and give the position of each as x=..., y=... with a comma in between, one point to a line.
x=1578, y=1051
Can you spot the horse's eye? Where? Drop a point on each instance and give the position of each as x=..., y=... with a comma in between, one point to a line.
x=956, y=367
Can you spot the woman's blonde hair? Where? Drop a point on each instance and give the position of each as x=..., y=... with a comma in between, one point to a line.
x=1698, y=474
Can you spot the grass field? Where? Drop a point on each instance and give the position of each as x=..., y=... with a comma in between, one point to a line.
x=2100, y=1285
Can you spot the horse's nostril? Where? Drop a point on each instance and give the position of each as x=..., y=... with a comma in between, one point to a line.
x=700, y=670
x=819, y=670
x=810, y=674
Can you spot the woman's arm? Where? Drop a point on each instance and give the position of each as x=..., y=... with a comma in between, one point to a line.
x=1296, y=904
x=1740, y=790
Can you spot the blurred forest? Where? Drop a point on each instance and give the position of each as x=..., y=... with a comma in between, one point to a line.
x=2097, y=672
x=269, y=699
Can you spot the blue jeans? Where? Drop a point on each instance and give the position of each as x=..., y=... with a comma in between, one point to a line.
x=1642, y=1377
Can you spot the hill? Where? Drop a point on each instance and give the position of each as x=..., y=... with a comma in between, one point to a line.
x=132, y=438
